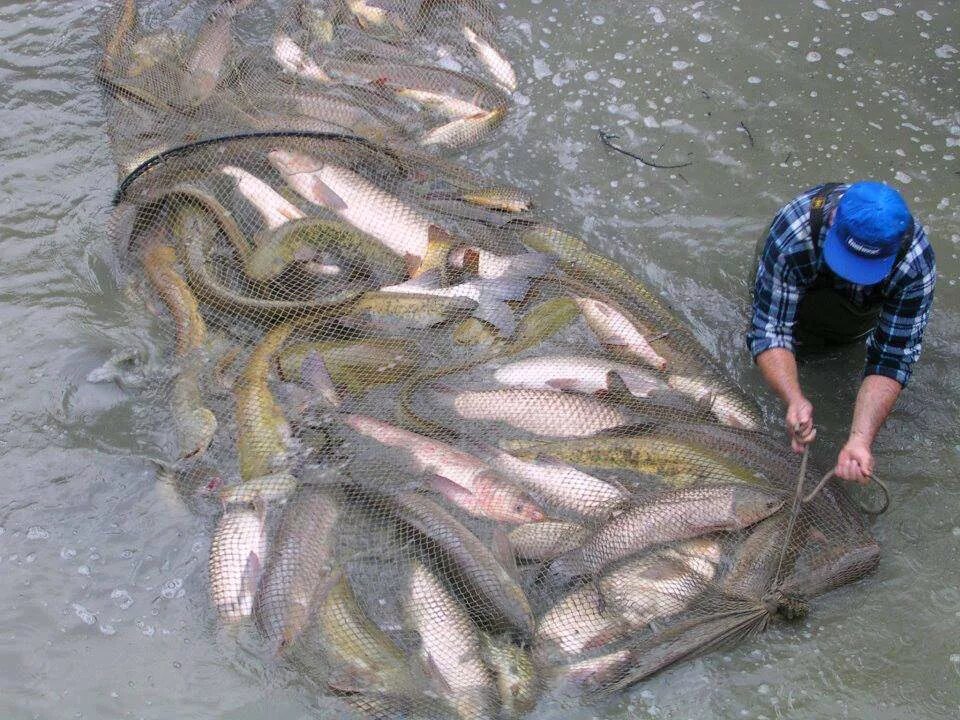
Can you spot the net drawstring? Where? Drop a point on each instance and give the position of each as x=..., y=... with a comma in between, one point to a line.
x=869, y=511
x=799, y=499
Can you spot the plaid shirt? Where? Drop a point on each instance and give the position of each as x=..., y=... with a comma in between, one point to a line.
x=790, y=263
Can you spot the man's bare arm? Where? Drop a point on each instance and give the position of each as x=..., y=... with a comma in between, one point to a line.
x=779, y=368
x=876, y=399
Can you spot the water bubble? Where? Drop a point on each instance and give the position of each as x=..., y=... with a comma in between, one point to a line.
x=753, y=80
x=83, y=570
x=597, y=20
x=885, y=11
x=680, y=64
x=901, y=176
x=86, y=617
x=122, y=598
x=813, y=56
x=657, y=15
x=822, y=4
x=35, y=532
x=704, y=37
x=172, y=589
x=67, y=553
x=924, y=15
x=945, y=52
x=844, y=52
x=870, y=15
x=108, y=629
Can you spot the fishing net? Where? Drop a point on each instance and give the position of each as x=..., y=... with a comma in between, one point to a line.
x=460, y=464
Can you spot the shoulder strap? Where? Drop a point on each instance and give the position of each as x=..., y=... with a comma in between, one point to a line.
x=817, y=205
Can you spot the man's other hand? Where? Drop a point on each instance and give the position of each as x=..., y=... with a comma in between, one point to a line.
x=799, y=421
x=855, y=462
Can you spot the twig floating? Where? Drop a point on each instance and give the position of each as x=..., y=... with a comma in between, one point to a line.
x=747, y=131
x=606, y=137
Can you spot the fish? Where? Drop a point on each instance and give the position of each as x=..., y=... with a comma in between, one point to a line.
x=503, y=199
x=613, y=329
x=450, y=646
x=264, y=439
x=832, y=568
x=237, y=555
x=655, y=586
x=574, y=625
x=667, y=516
x=464, y=131
x=292, y=58
x=408, y=311
x=547, y=539
x=540, y=412
x=493, y=595
x=672, y=461
x=560, y=485
x=300, y=560
x=362, y=656
x=273, y=207
x=195, y=228
x=490, y=296
x=301, y=240
x=151, y=50
x=364, y=205
x=457, y=475
x=269, y=488
x=492, y=59
x=194, y=423
x=755, y=561
x=581, y=374
x=357, y=365
x=125, y=25
x=489, y=265
x=515, y=673
x=541, y=322
x=594, y=673
x=730, y=408
x=203, y=65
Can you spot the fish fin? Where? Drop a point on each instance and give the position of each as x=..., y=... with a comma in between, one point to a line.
x=563, y=383
x=532, y=264
x=313, y=372
x=503, y=551
x=452, y=491
x=324, y=195
x=636, y=385
x=505, y=287
x=498, y=314
x=436, y=235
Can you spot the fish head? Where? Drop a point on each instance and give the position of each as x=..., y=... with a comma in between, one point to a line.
x=750, y=505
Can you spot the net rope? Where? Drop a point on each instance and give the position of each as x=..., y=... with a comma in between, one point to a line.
x=454, y=462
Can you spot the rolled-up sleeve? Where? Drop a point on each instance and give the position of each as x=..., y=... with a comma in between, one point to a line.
x=895, y=344
x=776, y=297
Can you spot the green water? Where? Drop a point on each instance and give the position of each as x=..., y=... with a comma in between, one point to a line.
x=103, y=608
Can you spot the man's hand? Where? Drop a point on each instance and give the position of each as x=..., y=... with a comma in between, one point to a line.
x=855, y=462
x=799, y=421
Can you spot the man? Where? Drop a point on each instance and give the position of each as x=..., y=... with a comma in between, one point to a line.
x=841, y=263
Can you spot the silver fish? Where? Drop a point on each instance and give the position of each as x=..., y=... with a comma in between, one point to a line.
x=667, y=517
x=578, y=373
x=450, y=645
x=541, y=412
x=300, y=560
x=237, y=554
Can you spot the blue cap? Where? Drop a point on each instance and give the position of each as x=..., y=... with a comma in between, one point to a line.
x=867, y=232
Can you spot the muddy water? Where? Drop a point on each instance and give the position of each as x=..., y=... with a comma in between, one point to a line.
x=103, y=611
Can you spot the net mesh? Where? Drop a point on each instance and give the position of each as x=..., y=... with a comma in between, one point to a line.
x=461, y=463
